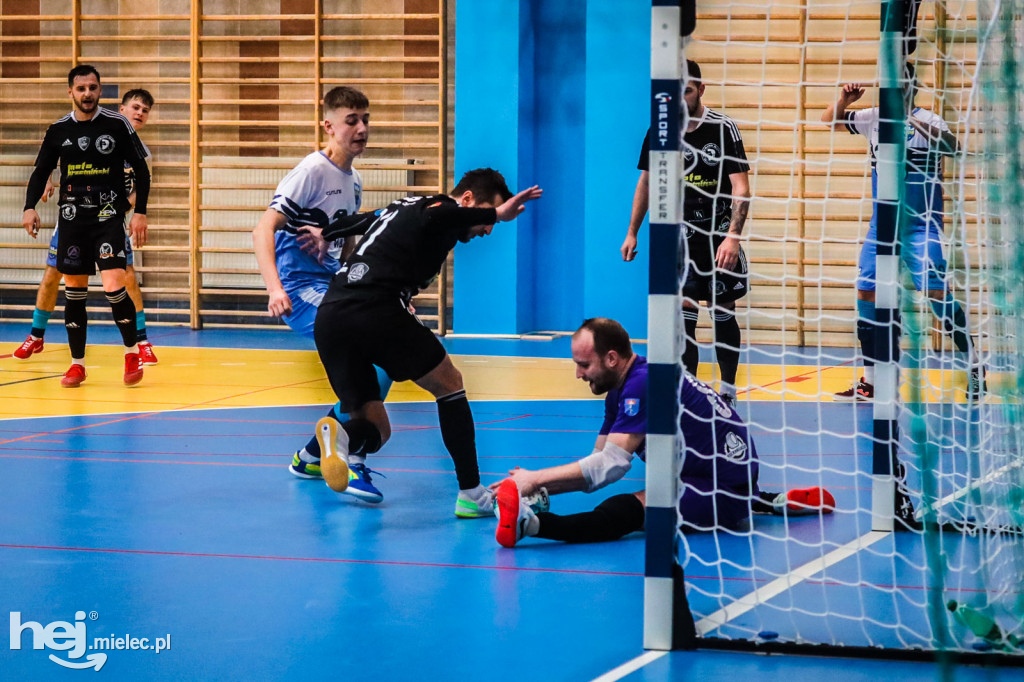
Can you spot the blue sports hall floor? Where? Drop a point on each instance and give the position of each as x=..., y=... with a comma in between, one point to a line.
x=166, y=511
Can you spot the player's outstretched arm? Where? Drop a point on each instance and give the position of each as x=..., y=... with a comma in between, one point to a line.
x=834, y=113
x=511, y=209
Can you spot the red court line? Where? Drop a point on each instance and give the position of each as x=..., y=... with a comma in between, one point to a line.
x=151, y=414
x=245, y=464
x=376, y=456
x=327, y=560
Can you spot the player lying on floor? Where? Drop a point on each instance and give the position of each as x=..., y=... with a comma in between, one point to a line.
x=719, y=474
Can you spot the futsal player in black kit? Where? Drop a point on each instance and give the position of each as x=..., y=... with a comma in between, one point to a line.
x=92, y=146
x=716, y=202
x=364, y=320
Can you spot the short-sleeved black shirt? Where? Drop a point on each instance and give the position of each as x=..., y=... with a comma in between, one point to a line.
x=404, y=246
x=712, y=152
x=92, y=156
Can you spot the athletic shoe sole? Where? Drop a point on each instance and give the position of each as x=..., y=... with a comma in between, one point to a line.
x=508, y=514
x=301, y=474
x=365, y=496
x=333, y=465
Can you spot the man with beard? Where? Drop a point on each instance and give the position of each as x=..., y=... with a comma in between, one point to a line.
x=93, y=146
x=719, y=474
x=715, y=205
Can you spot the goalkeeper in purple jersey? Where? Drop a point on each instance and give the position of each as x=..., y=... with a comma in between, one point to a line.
x=719, y=474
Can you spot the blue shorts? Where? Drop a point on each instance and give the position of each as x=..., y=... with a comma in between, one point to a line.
x=924, y=259
x=51, y=256
x=305, y=301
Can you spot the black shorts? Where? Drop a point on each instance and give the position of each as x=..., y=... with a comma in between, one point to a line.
x=705, y=282
x=355, y=333
x=81, y=248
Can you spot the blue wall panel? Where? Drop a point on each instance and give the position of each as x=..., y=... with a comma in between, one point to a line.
x=553, y=94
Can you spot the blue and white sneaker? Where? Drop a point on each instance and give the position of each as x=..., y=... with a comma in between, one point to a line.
x=361, y=485
x=305, y=468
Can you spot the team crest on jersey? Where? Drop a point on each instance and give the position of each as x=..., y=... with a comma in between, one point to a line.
x=67, y=212
x=719, y=287
x=104, y=144
x=631, y=407
x=357, y=272
x=83, y=143
x=735, y=447
x=106, y=250
x=712, y=153
x=107, y=212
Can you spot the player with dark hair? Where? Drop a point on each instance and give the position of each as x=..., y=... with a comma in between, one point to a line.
x=928, y=141
x=93, y=147
x=364, y=321
x=135, y=106
x=322, y=189
x=720, y=468
x=715, y=206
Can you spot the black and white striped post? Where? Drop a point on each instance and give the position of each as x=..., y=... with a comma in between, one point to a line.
x=890, y=167
x=667, y=620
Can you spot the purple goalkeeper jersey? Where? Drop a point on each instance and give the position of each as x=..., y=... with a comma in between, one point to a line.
x=718, y=447
x=719, y=451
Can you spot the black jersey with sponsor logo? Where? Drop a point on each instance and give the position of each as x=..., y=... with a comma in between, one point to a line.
x=92, y=155
x=711, y=152
x=404, y=246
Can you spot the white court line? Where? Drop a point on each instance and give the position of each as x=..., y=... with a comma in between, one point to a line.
x=758, y=596
x=963, y=491
x=792, y=579
x=630, y=667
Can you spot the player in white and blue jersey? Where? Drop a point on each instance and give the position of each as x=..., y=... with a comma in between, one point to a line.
x=318, y=192
x=928, y=141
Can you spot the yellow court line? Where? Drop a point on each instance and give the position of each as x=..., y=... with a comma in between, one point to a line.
x=196, y=378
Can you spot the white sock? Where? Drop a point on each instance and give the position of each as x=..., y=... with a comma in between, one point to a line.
x=869, y=374
x=532, y=525
x=478, y=494
x=357, y=459
x=727, y=389
x=78, y=361
x=304, y=456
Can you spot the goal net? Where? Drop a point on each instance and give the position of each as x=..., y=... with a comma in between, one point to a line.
x=924, y=550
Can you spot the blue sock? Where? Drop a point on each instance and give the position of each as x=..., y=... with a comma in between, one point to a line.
x=40, y=318
x=140, y=325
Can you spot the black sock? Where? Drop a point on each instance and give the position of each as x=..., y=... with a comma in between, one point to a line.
x=610, y=520
x=727, y=344
x=691, y=353
x=363, y=436
x=124, y=314
x=762, y=504
x=459, y=436
x=76, y=320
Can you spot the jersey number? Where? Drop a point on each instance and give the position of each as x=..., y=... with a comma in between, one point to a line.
x=375, y=230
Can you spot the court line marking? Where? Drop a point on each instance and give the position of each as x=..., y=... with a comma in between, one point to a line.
x=952, y=497
x=762, y=594
x=630, y=667
x=330, y=560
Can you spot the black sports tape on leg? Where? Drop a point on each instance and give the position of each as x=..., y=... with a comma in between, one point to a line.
x=615, y=517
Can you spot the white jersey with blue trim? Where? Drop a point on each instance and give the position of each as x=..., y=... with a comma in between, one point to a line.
x=922, y=153
x=314, y=193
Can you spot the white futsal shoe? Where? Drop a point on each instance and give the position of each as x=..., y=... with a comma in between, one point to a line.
x=333, y=442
